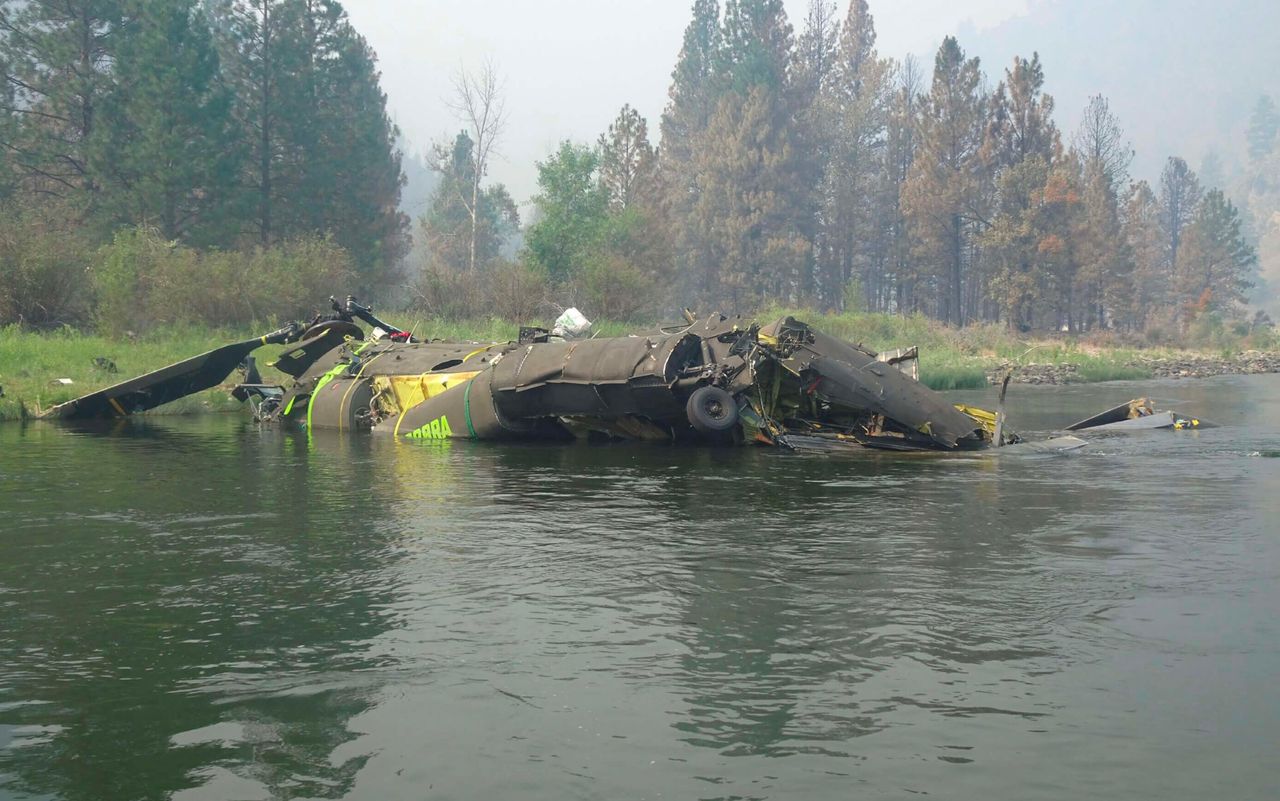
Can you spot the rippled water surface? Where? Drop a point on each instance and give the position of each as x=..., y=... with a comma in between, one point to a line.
x=199, y=609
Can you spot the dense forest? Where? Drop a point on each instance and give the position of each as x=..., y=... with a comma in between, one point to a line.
x=811, y=170
x=233, y=146
x=248, y=135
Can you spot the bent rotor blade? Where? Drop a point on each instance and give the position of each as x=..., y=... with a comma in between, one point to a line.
x=167, y=384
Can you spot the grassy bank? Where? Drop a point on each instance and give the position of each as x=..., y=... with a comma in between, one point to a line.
x=950, y=358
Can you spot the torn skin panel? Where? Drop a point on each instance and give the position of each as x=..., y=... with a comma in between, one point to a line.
x=897, y=397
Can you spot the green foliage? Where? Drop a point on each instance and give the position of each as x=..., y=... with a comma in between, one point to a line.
x=757, y=46
x=163, y=149
x=508, y=290
x=57, y=59
x=446, y=226
x=616, y=289
x=30, y=360
x=1214, y=262
x=944, y=188
x=137, y=113
x=1180, y=194
x=747, y=211
x=596, y=235
x=627, y=161
x=854, y=296
x=42, y=266
x=143, y=281
x=572, y=208
x=946, y=377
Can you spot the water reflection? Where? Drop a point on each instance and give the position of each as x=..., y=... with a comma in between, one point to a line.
x=202, y=609
x=174, y=581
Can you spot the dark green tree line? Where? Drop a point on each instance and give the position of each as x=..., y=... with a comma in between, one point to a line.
x=227, y=123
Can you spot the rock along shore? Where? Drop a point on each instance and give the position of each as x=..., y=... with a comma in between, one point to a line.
x=1185, y=365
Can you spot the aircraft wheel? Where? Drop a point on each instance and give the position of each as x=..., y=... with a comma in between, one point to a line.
x=711, y=410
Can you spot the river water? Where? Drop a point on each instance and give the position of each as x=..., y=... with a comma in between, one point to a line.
x=198, y=609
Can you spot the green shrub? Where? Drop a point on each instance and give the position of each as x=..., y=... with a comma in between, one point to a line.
x=954, y=376
x=517, y=292
x=444, y=293
x=142, y=281
x=613, y=288
x=42, y=267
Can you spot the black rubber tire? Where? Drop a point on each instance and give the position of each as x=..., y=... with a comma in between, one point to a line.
x=711, y=411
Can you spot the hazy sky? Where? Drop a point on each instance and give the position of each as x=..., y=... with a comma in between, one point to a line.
x=569, y=65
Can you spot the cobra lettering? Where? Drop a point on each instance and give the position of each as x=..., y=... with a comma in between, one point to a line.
x=436, y=429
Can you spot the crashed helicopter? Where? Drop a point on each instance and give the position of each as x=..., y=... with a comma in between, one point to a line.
x=713, y=379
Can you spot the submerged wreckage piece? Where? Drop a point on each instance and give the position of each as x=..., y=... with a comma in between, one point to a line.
x=715, y=380
x=1138, y=415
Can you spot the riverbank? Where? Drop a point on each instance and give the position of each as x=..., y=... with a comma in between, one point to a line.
x=1177, y=365
x=33, y=365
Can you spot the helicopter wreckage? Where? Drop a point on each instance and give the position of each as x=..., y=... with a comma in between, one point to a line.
x=714, y=379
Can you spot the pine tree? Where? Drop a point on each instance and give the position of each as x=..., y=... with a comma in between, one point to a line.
x=1264, y=128
x=738, y=168
x=627, y=160
x=813, y=72
x=353, y=176
x=1028, y=244
x=1105, y=279
x=757, y=47
x=1180, y=195
x=1213, y=267
x=1021, y=124
x=9, y=118
x=748, y=175
x=57, y=59
x=633, y=238
x=854, y=242
x=260, y=56
x=692, y=97
x=1021, y=140
x=1104, y=273
x=943, y=196
x=323, y=157
x=901, y=145
x=1100, y=142
x=163, y=147
x=815, y=56
x=1145, y=243
x=752, y=195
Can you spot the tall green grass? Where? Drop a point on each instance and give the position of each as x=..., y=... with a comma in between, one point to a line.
x=30, y=363
x=944, y=377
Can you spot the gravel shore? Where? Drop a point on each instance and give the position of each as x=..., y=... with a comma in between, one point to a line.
x=1187, y=365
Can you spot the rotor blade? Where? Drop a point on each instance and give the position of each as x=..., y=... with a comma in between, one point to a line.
x=167, y=384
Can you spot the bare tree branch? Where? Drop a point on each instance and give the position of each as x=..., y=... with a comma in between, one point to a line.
x=479, y=105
